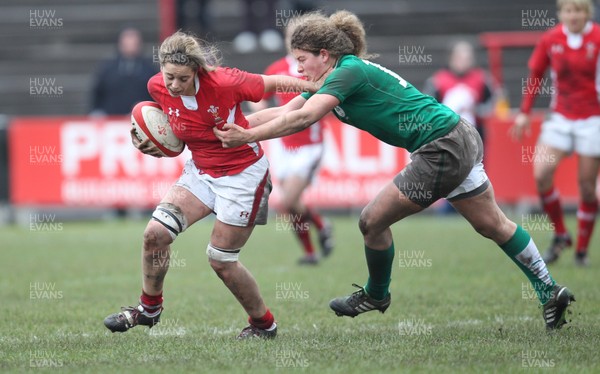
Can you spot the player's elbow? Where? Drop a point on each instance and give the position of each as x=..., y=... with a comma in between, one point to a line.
x=306, y=119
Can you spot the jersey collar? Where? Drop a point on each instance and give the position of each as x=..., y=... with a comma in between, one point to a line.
x=575, y=40
x=190, y=102
x=586, y=29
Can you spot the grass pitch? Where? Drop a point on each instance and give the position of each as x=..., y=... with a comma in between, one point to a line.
x=458, y=305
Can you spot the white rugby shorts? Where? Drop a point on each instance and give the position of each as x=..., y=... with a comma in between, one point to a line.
x=301, y=161
x=238, y=200
x=580, y=136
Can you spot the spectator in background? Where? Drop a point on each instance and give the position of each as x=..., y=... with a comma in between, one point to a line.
x=572, y=52
x=121, y=82
x=463, y=87
x=301, y=155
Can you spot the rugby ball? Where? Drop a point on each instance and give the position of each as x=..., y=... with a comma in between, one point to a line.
x=150, y=122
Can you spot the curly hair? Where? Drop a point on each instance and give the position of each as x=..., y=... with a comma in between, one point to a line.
x=340, y=34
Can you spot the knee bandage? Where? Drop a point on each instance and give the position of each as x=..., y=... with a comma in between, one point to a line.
x=171, y=217
x=222, y=255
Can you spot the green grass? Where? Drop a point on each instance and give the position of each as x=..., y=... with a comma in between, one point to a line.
x=460, y=309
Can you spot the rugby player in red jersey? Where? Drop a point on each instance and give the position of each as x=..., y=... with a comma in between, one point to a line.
x=571, y=51
x=234, y=184
x=301, y=154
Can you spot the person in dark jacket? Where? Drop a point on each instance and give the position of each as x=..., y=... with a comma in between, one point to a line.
x=120, y=82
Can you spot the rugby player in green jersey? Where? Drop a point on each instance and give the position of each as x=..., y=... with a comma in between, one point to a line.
x=446, y=156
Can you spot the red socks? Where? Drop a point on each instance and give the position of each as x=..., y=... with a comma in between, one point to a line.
x=586, y=218
x=265, y=322
x=312, y=216
x=151, y=303
x=303, y=227
x=551, y=205
x=304, y=236
x=302, y=231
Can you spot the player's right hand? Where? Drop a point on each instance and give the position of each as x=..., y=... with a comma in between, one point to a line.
x=521, y=126
x=231, y=135
x=146, y=147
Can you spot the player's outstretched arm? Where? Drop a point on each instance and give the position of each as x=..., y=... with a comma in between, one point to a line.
x=265, y=115
x=297, y=120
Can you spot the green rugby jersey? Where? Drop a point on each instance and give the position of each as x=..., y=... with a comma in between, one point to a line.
x=377, y=100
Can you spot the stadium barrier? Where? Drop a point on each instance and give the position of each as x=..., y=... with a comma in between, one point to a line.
x=76, y=161
x=90, y=162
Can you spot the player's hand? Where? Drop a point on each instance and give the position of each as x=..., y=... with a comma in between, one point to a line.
x=521, y=126
x=231, y=135
x=317, y=85
x=146, y=147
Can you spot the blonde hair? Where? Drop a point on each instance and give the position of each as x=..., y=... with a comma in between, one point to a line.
x=340, y=34
x=586, y=5
x=185, y=49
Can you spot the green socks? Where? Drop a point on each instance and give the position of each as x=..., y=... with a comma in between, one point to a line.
x=522, y=250
x=380, y=271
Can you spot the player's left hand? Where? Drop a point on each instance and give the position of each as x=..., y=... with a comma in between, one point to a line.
x=231, y=135
x=146, y=146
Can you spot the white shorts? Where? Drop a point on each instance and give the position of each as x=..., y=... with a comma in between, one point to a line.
x=302, y=161
x=580, y=136
x=475, y=183
x=238, y=200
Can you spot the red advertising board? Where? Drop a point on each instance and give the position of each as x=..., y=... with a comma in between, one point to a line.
x=82, y=161
x=91, y=162
x=509, y=164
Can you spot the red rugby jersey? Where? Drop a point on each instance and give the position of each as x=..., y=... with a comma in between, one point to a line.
x=573, y=62
x=313, y=134
x=217, y=101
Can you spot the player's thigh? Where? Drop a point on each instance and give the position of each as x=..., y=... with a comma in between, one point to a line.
x=292, y=188
x=228, y=236
x=587, y=177
x=389, y=206
x=189, y=196
x=178, y=209
x=588, y=168
x=190, y=206
x=546, y=159
x=484, y=214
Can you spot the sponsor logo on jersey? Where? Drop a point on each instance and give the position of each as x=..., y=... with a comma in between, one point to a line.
x=171, y=112
x=340, y=112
